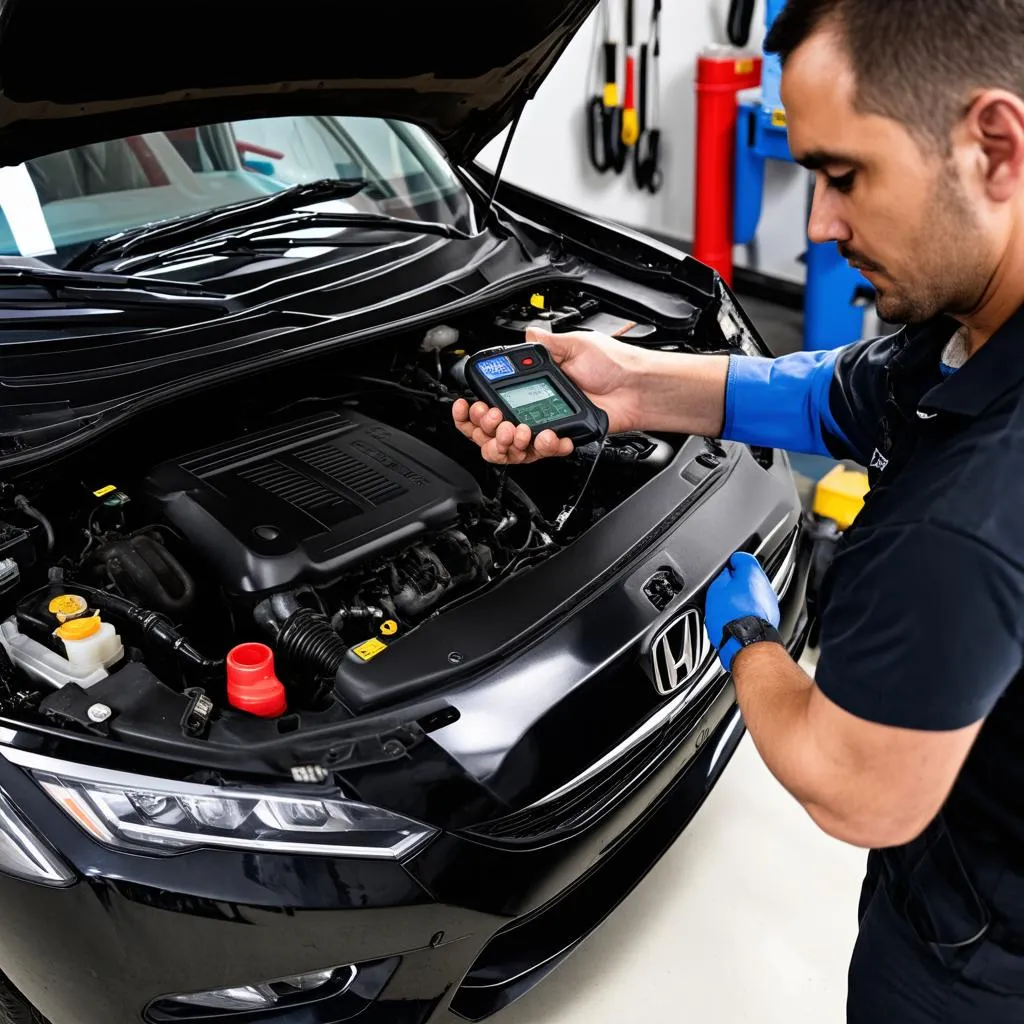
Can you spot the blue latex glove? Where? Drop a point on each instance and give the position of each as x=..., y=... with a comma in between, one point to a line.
x=741, y=589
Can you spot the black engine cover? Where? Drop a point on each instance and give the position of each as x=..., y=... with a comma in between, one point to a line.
x=307, y=501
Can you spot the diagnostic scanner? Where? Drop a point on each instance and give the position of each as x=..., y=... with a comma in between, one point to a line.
x=526, y=385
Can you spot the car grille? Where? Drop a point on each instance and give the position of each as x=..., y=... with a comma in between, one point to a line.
x=780, y=566
x=592, y=794
x=572, y=809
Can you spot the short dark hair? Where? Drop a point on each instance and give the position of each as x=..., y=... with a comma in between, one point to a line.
x=915, y=61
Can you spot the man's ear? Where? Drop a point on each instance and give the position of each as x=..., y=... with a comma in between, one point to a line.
x=995, y=126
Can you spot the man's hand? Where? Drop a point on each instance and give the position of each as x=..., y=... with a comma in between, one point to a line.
x=741, y=589
x=606, y=370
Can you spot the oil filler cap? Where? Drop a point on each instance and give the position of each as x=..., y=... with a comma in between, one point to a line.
x=253, y=685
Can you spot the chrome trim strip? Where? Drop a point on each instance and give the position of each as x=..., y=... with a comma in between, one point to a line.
x=664, y=716
x=787, y=569
x=737, y=723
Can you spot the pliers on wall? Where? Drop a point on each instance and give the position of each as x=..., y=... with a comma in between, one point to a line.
x=647, y=154
x=604, y=115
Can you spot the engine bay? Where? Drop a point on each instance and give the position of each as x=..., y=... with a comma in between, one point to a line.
x=225, y=571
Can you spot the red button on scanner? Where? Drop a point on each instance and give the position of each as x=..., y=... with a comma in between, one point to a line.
x=528, y=361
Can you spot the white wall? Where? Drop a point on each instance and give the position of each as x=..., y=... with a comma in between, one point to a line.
x=549, y=152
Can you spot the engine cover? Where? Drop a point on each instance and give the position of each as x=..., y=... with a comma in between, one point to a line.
x=307, y=501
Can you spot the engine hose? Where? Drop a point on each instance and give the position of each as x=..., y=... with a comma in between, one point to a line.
x=307, y=646
x=356, y=613
x=24, y=505
x=529, y=504
x=153, y=625
x=271, y=613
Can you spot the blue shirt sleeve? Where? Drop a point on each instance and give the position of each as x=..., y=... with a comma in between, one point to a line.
x=819, y=403
x=784, y=403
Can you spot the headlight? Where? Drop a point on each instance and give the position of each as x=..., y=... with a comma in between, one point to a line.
x=168, y=817
x=24, y=854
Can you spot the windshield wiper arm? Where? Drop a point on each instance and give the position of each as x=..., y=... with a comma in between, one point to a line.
x=116, y=288
x=196, y=225
x=277, y=235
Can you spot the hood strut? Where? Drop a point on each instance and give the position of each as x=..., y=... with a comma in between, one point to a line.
x=488, y=213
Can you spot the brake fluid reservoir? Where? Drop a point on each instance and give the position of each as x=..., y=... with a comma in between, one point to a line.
x=90, y=643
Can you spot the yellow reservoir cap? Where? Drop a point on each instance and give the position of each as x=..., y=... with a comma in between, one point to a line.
x=67, y=605
x=840, y=495
x=79, y=629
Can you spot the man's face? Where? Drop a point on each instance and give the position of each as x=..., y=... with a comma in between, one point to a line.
x=899, y=212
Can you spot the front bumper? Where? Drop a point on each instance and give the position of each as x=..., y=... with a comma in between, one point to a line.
x=100, y=951
x=427, y=935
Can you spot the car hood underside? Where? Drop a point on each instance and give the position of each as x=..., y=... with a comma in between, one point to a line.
x=74, y=74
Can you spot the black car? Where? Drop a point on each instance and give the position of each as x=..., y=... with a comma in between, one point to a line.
x=306, y=712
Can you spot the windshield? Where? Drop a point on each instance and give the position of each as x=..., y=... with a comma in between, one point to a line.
x=53, y=206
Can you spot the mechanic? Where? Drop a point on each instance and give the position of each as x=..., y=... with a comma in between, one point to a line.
x=910, y=740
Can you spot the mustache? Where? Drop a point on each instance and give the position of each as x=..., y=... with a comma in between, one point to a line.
x=858, y=258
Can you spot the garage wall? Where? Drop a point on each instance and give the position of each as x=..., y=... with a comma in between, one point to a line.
x=549, y=155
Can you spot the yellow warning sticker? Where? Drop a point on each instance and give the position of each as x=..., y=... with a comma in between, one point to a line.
x=369, y=649
x=745, y=66
x=389, y=628
x=104, y=490
x=537, y=301
x=778, y=119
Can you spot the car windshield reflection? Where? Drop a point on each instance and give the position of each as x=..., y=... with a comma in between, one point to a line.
x=53, y=206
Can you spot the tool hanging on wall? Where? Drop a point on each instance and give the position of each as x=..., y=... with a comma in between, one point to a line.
x=647, y=154
x=740, y=18
x=604, y=115
x=630, y=120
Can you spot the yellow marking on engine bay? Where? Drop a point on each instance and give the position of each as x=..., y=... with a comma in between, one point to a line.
x=369, y=649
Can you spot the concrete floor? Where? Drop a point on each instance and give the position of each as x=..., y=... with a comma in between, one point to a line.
x=751, y=916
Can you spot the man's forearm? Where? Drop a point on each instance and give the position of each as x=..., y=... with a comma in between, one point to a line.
x=775, y=697
x=682, y=394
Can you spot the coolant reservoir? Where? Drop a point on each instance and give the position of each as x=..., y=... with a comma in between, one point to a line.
x=89, y=642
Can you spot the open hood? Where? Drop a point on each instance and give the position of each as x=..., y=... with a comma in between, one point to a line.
x=77, y=73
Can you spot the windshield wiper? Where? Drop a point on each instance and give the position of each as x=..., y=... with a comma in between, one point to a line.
x=278, y=235
x=196, y=225
x=109, y=289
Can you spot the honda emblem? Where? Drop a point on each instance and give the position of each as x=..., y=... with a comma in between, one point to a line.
x=679, y=652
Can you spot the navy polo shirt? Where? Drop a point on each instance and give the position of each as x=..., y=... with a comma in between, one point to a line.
x=922, y=610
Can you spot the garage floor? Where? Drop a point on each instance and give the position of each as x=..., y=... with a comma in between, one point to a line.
x=751, y=916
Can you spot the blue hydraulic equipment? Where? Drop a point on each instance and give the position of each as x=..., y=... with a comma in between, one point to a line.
x=835, y=295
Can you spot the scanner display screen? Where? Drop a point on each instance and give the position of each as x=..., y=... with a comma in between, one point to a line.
x=535, y=402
